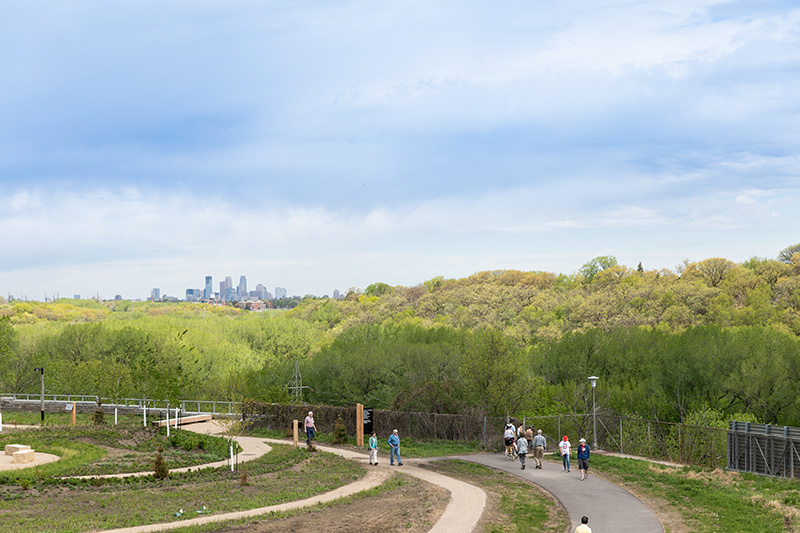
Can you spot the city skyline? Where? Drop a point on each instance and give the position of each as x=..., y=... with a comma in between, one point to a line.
x=344, y=144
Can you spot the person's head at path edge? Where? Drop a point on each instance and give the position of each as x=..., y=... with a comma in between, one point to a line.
x=584, y=520
x=565, y=438
x=311, y=413
x=583, y=441
x=539, y=432
x=394, y=431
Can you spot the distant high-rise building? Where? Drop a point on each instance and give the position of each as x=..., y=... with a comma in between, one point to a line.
x=155, y=294
x=336, y=294
x=118, y=297
x=261, y=292
x=225, y=290
x=280, y=292
x=222, y=290
x=208, y=293
x=77, y=297
x=193, y=295
x=242, y=290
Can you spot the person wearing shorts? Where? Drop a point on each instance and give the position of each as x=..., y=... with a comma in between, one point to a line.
x=508, y=440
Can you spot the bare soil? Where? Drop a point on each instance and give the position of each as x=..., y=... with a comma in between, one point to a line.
x=414, y=506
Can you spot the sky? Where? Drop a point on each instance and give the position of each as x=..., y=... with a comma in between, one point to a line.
x=330, y=145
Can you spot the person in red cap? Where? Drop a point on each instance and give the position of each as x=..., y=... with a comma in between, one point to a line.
x=564, y=447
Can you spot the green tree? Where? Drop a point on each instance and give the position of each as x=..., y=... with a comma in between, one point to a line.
x=496, y=374
x=785, y=255
x=378, y=289
x=590, y=269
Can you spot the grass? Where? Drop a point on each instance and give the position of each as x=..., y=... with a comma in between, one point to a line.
x=84, y=449
x=709, y=500
x=395, y=482
x=285, y=474
x=691, y=498
x=519, y=505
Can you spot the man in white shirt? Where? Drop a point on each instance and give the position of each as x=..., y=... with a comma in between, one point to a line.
x=311, y=429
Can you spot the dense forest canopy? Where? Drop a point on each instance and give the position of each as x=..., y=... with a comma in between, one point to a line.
x=710, y=335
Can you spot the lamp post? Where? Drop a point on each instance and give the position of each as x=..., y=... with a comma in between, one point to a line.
x=41, y=371
x=593, y=381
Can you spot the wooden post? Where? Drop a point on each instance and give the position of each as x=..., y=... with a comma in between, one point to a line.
x=74, y=413
x=294, y=432
x=360, y=425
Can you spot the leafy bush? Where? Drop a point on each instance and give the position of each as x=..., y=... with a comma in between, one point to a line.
x=160, y=470
x=339, y=431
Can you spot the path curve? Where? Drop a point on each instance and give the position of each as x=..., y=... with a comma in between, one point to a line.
x=252, y=448
x=466, y=501
x=461, y=514
x=608, y=506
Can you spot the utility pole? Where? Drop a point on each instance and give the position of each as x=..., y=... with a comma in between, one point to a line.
x=295, y=386
x=41, y=370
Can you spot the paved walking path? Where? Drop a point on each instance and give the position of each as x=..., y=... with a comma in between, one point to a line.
x=461, y=515
x=611, y=509
x=466, y=501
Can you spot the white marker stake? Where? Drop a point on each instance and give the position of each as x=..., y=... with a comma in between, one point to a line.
x=167, y=421
x=176, y=418
x=115, y=416
x=231, y=457
x=145, y=416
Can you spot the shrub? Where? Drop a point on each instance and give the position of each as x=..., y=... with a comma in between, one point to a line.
x=160, y=470
x=339, y=431
x=98, y=417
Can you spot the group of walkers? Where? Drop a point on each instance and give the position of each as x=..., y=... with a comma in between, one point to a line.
x=520, y=442
x=372, y=444
x=394, y=448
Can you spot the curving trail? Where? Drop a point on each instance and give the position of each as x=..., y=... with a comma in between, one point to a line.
x=462, y=513
x=466, y=501
x=608, y=506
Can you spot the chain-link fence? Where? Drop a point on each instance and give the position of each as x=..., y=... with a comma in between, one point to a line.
x=678, y=443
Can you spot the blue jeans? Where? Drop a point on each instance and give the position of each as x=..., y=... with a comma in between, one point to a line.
x=394, y=451
x=565, y=460
x=310, y=434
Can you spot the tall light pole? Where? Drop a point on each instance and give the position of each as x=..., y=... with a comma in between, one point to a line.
x=41, y=370
x=593, y=381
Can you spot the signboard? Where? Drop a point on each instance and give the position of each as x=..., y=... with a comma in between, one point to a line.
x=368, y=421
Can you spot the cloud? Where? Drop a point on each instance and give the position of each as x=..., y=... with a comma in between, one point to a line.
x=336, y=144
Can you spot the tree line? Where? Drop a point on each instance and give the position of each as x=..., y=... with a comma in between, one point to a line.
x=711, y=335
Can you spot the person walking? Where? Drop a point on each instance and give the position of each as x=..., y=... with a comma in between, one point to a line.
x=529, y=436
x=372, y=446
x=508, y=440
x=584, y=527
x=394, y=448
x=311, y=429
x=539, y=444
x=583, y=459
x=563, y=447
x=522, y=450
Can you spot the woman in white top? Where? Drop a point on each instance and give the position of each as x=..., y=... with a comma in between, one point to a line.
x=508, y=440
x=563, y=446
